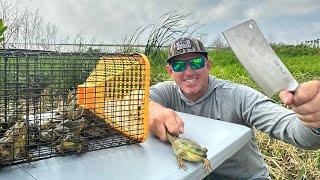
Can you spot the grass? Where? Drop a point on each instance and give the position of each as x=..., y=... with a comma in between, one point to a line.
x=284, y=161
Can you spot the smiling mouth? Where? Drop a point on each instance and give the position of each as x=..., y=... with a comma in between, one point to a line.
x=190, y=80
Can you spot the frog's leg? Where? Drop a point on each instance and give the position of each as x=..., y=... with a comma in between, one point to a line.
x=180, y=161
x=206, y=165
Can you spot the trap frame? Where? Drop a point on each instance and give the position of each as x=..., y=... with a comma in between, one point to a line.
x=55, y=103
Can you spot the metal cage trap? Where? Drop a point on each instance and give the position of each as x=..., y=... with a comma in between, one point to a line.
x=54, y=103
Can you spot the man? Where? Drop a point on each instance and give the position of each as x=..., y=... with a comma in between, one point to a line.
x=196, y=92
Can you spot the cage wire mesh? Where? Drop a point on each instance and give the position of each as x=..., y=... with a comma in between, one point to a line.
x=54, y=103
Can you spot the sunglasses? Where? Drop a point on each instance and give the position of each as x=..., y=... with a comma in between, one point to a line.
x=195, y=63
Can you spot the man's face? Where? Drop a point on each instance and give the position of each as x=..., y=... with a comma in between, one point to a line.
x=192, y=82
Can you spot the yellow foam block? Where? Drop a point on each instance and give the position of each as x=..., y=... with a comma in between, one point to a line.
x=118, y=91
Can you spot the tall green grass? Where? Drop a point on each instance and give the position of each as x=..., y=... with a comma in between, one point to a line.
x=284, y=161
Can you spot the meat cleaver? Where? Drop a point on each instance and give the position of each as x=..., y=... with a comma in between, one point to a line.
x=259, y=59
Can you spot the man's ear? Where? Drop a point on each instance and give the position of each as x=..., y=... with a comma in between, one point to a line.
x=209, y=64
x=169, y=69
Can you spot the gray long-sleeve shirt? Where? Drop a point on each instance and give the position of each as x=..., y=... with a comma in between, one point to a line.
x=239, y=104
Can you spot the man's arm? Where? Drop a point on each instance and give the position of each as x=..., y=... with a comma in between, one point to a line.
x=162, y=119
x=279, y=122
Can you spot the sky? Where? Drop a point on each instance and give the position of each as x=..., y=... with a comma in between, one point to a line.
x=109, y=21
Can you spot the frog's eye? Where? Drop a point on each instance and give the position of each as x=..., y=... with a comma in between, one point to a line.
x=7, y=146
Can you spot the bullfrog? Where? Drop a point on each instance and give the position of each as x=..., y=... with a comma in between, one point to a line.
x=186, y=149
x=71, y=142
x=13, y=143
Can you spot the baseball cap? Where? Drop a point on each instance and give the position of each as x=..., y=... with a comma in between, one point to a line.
x=185, y=45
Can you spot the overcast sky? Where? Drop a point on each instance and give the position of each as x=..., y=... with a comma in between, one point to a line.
x=288, y=21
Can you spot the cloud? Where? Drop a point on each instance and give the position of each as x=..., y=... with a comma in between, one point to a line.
x=111, y=20
x=272, y=9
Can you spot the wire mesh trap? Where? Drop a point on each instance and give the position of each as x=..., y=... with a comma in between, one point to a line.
x=54, y=103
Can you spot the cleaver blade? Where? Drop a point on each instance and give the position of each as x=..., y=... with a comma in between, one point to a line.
x=259, y=59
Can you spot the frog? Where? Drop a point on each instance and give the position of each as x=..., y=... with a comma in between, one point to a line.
x=186, y=149
x=13, y=142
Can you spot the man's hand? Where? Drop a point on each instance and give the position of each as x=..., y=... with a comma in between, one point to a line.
x=305, y=102
x=162, y=119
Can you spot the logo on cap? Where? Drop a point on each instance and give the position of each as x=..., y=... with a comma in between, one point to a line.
x=186, y=44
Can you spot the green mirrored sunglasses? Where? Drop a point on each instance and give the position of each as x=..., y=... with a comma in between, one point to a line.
x=195, y=63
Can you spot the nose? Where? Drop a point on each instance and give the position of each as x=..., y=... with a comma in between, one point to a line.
x=188, y=70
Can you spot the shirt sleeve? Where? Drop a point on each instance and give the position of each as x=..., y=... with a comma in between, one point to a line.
x=279, y=122
x=160, y=93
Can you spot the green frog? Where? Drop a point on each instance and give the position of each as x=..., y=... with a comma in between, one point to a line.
x=71, y=142
x=13, y=142
x=186, y=149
